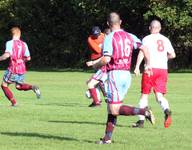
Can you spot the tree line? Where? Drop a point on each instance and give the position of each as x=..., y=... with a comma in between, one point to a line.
x=57, y=30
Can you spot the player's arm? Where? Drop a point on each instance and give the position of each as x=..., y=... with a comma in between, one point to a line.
x=27, y=56
x=138, y=63
x=90, y=63
x=171, y=55
x=107, y=53
x=8, y=51
x=4, y=56
x=26, y=59
x=146, y=54
x=99, y=62
x=94, y=46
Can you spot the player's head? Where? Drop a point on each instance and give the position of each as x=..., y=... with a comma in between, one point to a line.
x=16, y=32
x=95, y=32
x=114, y=20
x=155, y=27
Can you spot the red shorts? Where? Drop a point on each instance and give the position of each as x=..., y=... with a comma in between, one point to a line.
x=157, y=81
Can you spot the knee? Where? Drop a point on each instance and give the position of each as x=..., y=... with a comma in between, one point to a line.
x=90, y=85
x=143, y=101
x=4, y=85
x=159, y=97
x=113, y=112
x=18, y=87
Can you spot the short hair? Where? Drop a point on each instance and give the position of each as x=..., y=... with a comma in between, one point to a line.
x=15, y=30
x=155, y=23
x=113, y=18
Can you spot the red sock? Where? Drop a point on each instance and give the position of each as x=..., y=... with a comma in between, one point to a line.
x=94, y=96
x=24, y=87
x=128, y=111
x=102, y=87
x=111, y=122
x=8, y=94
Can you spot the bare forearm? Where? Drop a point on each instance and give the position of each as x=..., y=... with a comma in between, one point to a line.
x=139, y=59
x=146, y=55
x=102, y=62
x=4, y=56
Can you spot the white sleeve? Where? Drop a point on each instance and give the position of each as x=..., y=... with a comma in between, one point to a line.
x=169, y=47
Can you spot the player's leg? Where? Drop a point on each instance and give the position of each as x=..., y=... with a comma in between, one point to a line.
x=20, y=85
x=23, y=87
x=143, y=103
x=102, y=88
x=146, y=85
x=123, y=86
x=113, y=111
x=113, y=105
x=119, y=82
x=8, y=93
x=118, y=109
x=102, y=77
x=93, y=92
x=160, y=90
x=8, y=78
x=165, y=107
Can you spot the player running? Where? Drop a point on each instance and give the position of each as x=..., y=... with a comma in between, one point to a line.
x=160, y=50
x=18, y=52
x=95, y=42
x=117, y=52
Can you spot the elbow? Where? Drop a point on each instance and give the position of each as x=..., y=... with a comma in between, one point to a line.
x=104, y=61
x=174, y=55
x=28, y=58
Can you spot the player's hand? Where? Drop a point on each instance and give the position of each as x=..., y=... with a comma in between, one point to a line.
x=137, y=71
x=148, y=71
x=89, y=63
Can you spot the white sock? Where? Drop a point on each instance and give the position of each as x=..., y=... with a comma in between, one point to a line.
x=142, y=104
x=163, y=102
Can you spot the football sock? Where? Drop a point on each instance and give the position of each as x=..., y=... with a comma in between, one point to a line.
x=142, y=104
x=129, y=111
x=102, y=87
x=8, y=94
x=94, y=96
x=163, y=102
x=24, y=87
x=111, y=122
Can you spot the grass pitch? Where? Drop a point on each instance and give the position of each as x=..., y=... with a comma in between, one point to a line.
x=61, y=120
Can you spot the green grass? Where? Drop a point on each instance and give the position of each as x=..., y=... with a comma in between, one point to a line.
x=61, y=120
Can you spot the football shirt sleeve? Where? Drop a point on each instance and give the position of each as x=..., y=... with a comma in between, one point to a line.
x=108, y=46
x=169, y=47
x=27, y=53
x=9, y=46
x=136, y=41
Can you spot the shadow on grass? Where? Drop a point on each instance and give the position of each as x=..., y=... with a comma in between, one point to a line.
x=43, y=136
x=22, y=134
x=64, y=105
x=83, y=122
